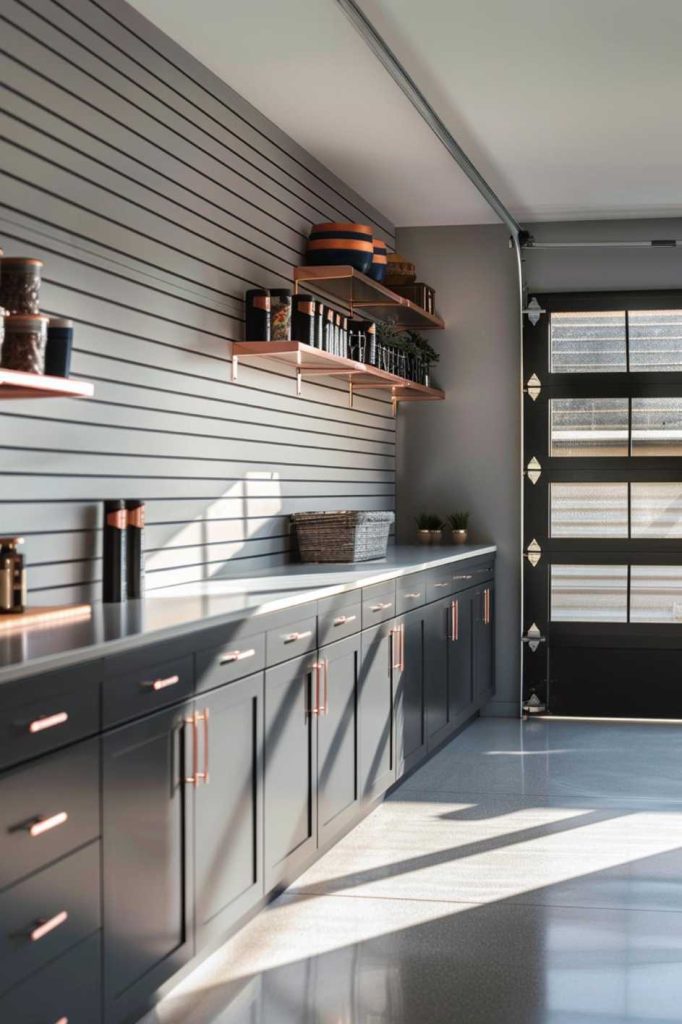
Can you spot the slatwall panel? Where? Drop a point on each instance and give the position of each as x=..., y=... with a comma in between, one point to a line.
x=156, y=196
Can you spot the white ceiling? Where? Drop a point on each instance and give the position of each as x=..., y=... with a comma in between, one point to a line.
x=570, y=108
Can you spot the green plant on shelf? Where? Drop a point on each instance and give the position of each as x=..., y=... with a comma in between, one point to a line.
x=459, y=520
x=428, y=521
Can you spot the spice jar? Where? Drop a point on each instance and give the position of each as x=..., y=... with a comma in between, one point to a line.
x=280, y=314
x=24, y=344
x=20, y=284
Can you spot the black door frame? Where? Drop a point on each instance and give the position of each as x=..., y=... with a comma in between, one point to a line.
x=601, y=637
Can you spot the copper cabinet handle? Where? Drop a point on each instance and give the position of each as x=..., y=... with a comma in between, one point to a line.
x=454, y=620
x=343, y=619
x=41, y=825
x=193, y=779
x=469, y=577
x=438, y=585
x=324, y=710
x=487, y=606
x=402, y=647
x=382, y=606
x=415, y=595
x=62, y=1020
x=161, y=684
x=44, y=928
x=291, y=637
x=398, y=633
x=315, y=709
x=230, y=656
x=203, y=717
x=48, y=722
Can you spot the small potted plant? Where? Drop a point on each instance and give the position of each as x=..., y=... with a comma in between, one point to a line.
x=459, y=521
x=429, y=528
x=424, y=355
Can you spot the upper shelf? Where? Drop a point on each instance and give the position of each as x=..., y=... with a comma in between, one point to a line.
x=15, y=384
x=361, y=295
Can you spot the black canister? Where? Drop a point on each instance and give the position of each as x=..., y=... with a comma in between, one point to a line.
x=59, y=347
x=280, y=314
x=303, y=319
x=257, y=315
x=134, y=558
x=114, y=552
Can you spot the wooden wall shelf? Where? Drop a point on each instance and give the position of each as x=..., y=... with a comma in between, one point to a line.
x=310, y=362
x=15, y=384
x=363, y=297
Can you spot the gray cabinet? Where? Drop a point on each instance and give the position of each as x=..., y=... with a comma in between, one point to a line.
x=449, y=663
x=408, y=687
x=228, y=824
x=461, y=694
x=483, y=630
x=436, y=627
x=148, y=809
x=338, y=786
x=379, y=651
x=291, y=697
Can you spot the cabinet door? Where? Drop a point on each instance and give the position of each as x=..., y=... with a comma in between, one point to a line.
x=460, y=653
x=408, y=684
x=228, y=846
x=290, y=769
x=337, y=742
x=484, y=660
x=436, y=632
x=375, y=710
x=147, y=857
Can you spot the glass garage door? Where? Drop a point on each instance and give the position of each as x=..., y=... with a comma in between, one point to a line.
x=603, y=504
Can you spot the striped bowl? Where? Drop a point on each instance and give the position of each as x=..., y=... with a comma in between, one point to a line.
x=341, y=245
x=377, y=271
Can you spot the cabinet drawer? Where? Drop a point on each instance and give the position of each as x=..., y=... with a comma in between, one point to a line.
x=141, y=691
x=48, y=808
x=238, y=656
x=57, y=718
x=291, y=640
x=378, y=603
x=48, y=913
x=448, y=579
x=68, y=990
x=338, y=617
x=410, y=592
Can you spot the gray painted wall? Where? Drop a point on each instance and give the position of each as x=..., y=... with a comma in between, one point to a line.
x=156, y=196
x=465, y=451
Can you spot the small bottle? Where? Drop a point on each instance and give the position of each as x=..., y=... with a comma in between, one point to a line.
x=280, y=314
x=12, y=577
x=345, y=350
x=328, y=341
x=59, y=347
x=257, y=315
x=303, y=319
x=134, y=535
x=114, y=552
x=320, y=320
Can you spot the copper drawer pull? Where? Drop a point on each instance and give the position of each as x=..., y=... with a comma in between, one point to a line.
x=324, y=709
x=161, y=684
x=62, y=1020
x=45, y=927
x=48, y=722
x=46, y=824
x=231, y=656
x=382, y=606
x=463, y=577
x=343, y=619
x=193, y=779
x=290, y=638
x=203, y=717
x=438, y=585
x=415, y=595
x=454, y=620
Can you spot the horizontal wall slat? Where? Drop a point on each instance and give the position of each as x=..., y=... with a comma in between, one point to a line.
x=155, y=195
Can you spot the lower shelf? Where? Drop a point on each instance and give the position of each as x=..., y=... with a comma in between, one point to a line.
x=309, y=362
x=16, y=384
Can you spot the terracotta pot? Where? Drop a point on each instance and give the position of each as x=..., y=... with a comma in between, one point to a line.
x=424, y=536
x=436, y=536
x=459, y=536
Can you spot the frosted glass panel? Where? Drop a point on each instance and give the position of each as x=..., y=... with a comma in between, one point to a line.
x=587, y=342
x=589, y=593
x=588, y=510
x=657, y=426
x=588, y=426
x=656, y=593
x=656, y=339
x=656, y=510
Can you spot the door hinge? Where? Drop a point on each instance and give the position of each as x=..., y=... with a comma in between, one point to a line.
x=534, y=311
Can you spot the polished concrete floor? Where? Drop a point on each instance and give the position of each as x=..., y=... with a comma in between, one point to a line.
x=531, y=872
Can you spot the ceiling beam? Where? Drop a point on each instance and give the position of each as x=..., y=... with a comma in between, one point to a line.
x=416, y=97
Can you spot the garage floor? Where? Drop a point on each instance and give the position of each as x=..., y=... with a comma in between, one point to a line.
x=531, y=872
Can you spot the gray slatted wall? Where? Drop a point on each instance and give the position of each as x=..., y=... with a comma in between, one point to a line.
x=156, y=196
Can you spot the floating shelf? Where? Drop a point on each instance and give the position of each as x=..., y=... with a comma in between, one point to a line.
x=309, y=362
x=15, y=384
x=361, y=295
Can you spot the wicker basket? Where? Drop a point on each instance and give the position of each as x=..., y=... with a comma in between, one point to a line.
x=342, y=536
